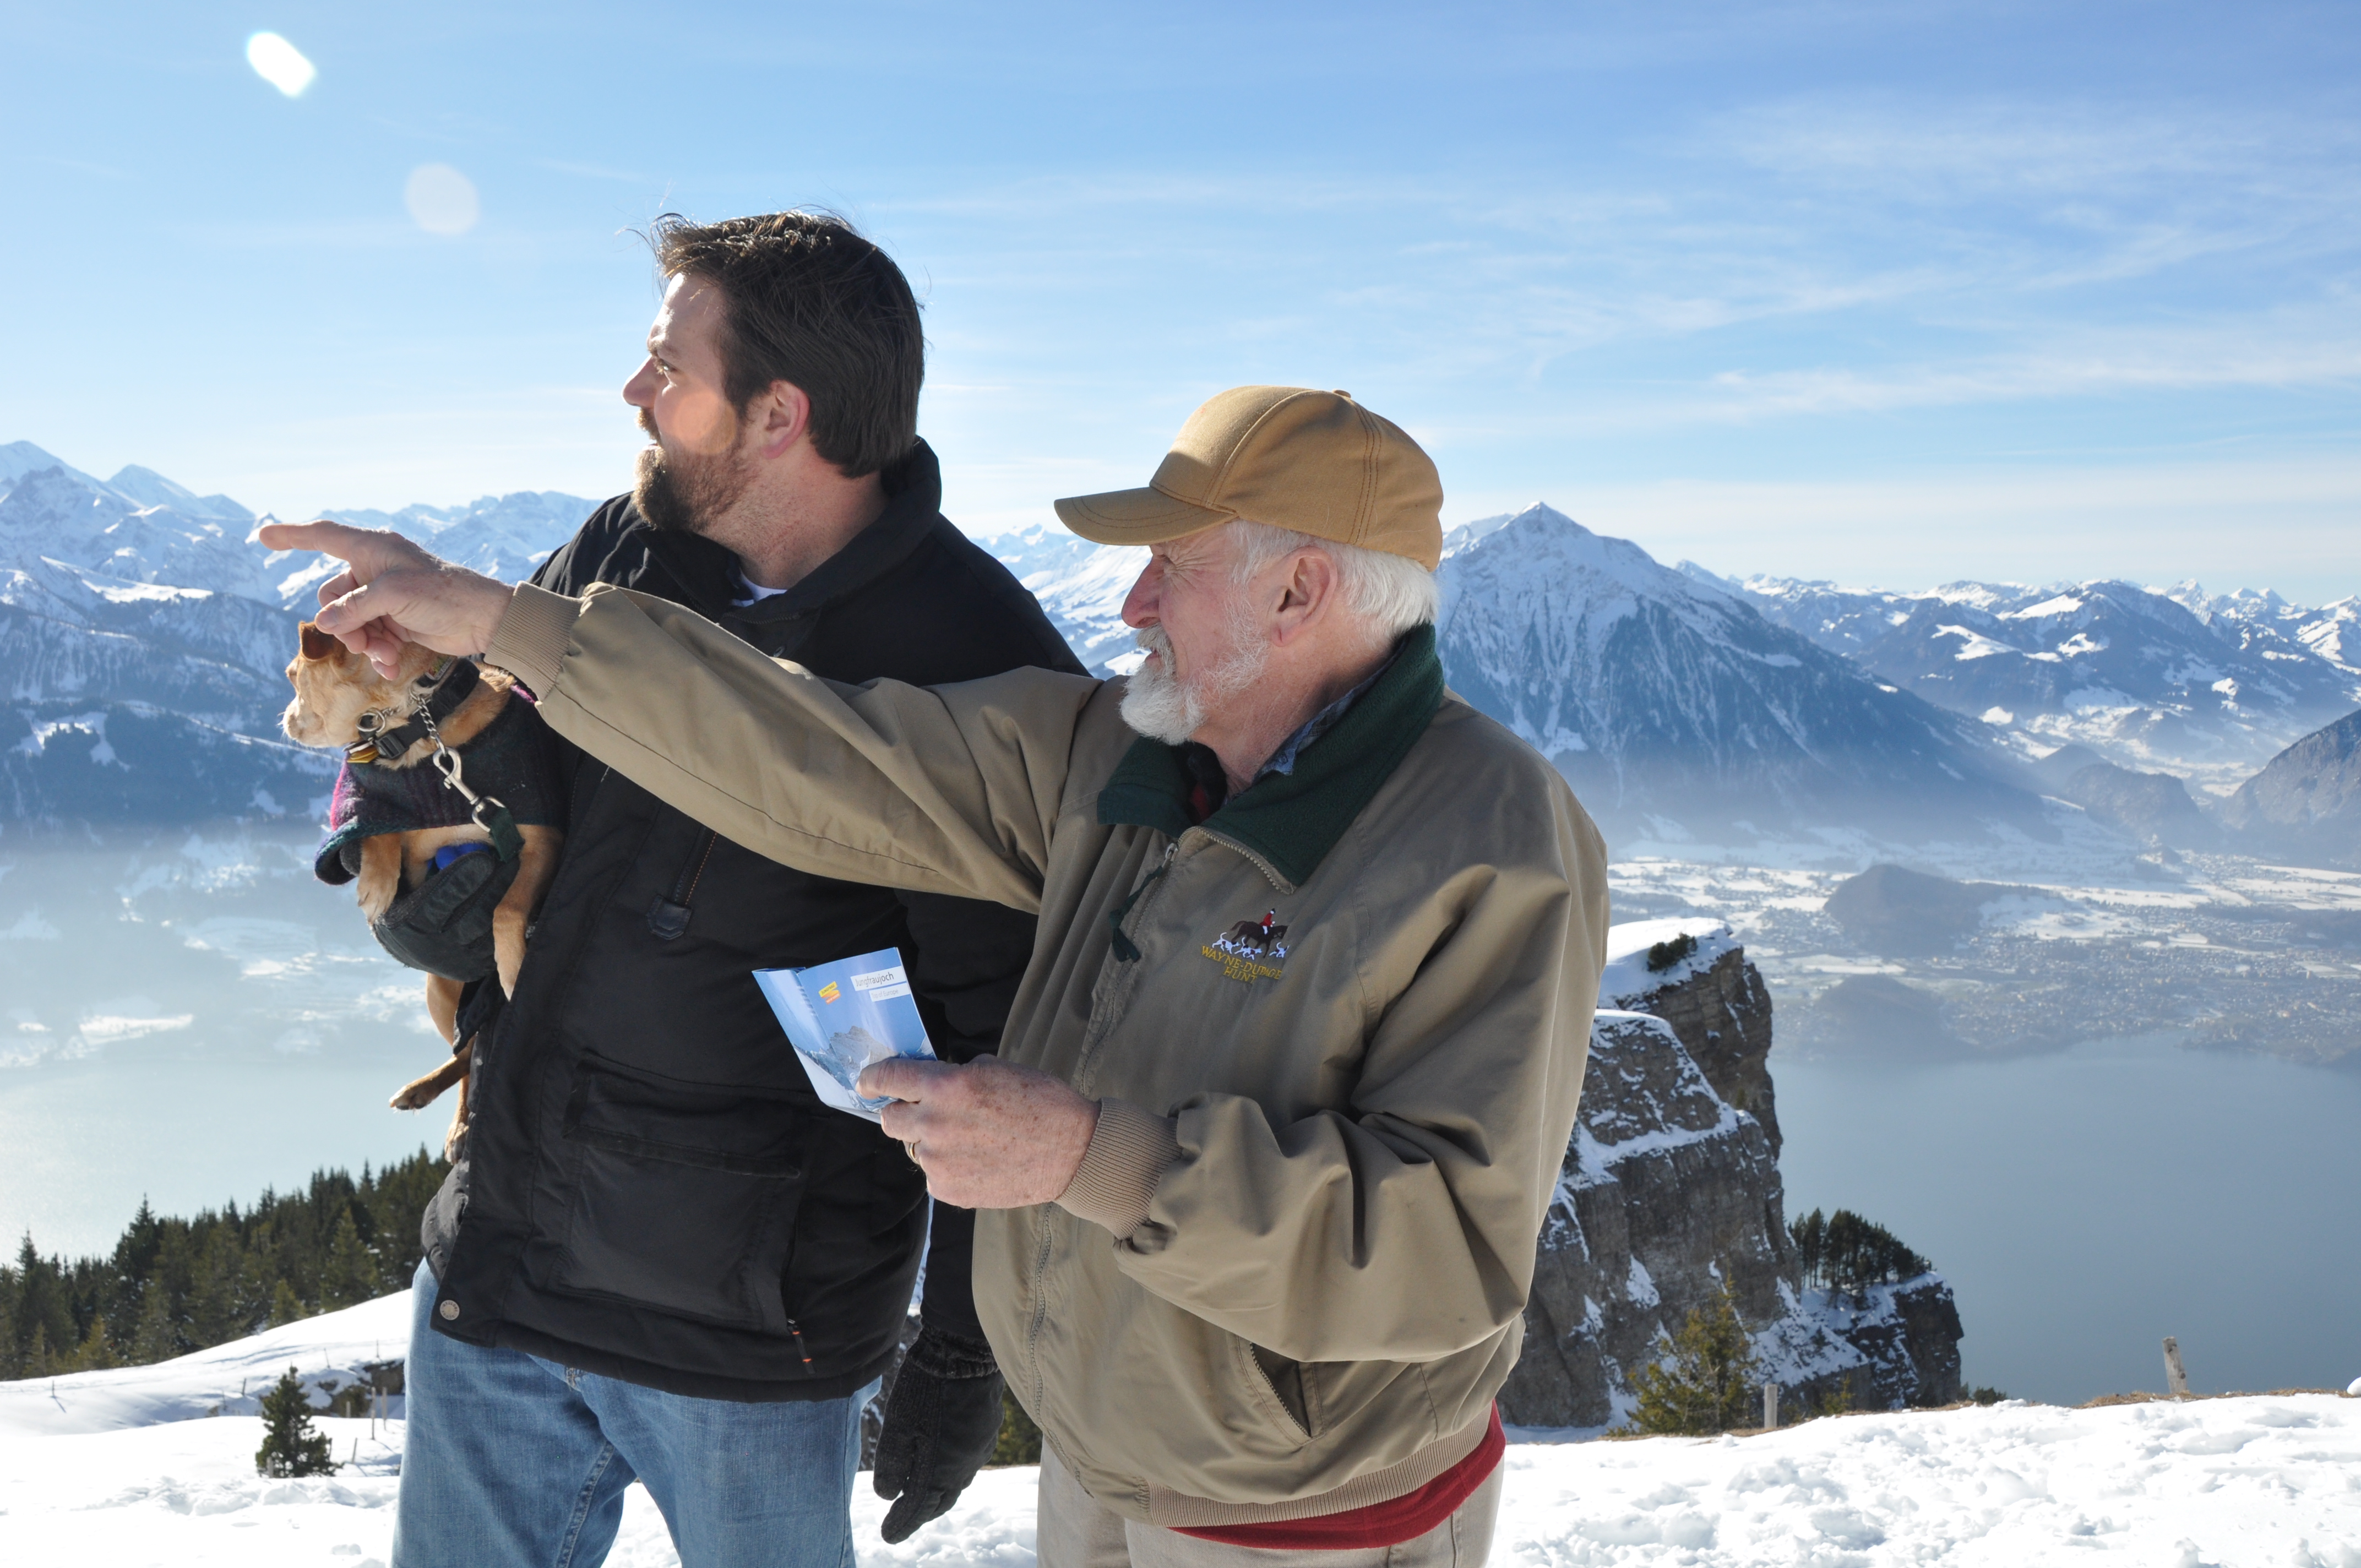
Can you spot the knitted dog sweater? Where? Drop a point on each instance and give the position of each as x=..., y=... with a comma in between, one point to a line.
x=507, y=760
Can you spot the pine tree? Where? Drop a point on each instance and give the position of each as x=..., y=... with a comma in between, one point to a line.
x=289, y=1446
x=1837, y=1401
x=286, y=1307
x=1706, y=1382
x=44, y=1318
x=95, y=1354
x=157, y=1338
x=221, y=1297
x=1846, y=1254
x=350, y=1276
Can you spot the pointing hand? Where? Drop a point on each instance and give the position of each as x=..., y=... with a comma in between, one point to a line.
x=392, y=592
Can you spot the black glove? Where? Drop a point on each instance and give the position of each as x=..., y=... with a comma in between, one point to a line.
x=941, y=1421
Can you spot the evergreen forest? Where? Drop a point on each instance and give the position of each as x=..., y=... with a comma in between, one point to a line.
x=1845, y=1255
x=174, y=1286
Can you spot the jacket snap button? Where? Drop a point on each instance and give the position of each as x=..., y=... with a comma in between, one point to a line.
x=450, y=1311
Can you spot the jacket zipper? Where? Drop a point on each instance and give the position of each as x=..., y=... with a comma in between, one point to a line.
x=1276, y=880
x=1141, y=899
x=1127, y=951
x=669, y=917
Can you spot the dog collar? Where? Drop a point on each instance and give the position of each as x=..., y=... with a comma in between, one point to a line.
x=450, y=682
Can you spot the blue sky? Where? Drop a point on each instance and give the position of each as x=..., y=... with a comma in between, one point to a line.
x=1890, y=293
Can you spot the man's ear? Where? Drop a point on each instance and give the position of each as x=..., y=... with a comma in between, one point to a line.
x=1308, y=591
x=782, y=417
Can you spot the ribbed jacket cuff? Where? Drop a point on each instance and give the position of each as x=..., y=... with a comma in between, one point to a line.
x=1128, y=1154
x=529, y=642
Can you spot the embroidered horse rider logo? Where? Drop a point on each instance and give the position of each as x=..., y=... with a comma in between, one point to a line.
x=1251, y=949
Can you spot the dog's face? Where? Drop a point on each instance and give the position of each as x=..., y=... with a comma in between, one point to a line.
x=333, y=686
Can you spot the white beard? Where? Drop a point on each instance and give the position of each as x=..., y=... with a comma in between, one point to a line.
x=1163, y=708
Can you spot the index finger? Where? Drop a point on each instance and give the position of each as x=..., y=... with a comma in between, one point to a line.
x=369, y=550
x=901, y=1078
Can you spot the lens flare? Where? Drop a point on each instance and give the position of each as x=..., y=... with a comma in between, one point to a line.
x=441, y=199
x=279, y=63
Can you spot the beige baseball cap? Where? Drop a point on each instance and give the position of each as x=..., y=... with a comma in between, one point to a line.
x=1316, y=462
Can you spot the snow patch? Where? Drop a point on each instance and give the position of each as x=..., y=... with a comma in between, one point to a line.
x=1627, y=977
x=123, y=1466
x=1974, y=644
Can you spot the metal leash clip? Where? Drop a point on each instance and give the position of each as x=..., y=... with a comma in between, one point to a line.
x=448, y=763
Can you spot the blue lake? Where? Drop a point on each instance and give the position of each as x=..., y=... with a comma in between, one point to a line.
x=2086, y=1204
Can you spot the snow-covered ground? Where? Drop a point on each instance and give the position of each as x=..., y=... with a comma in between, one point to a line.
x=125, y=1468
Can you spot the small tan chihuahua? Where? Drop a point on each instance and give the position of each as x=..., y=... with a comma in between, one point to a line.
x=396, y=726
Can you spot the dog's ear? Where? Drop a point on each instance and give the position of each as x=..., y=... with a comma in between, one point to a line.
x=318, y=644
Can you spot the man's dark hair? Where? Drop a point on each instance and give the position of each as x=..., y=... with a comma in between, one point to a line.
x=809, y=301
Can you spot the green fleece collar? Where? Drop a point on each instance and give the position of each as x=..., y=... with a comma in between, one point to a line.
x=1291, y=821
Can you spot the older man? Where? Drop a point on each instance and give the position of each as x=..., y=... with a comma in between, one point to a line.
x=1283, y=1095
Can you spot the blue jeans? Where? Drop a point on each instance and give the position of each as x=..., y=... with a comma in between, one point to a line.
x=512, y=1460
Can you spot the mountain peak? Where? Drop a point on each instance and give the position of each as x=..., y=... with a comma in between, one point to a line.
x=18, y=458
x=151, y=488
x=1539, y=514
x=1708, y=578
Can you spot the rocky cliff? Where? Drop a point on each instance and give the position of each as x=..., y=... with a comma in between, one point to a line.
x=1694, y=976
x=1670, y=1188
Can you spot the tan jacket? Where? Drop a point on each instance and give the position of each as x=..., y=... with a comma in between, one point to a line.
x=1337, y=1079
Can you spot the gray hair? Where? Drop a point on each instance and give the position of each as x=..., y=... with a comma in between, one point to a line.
x=1391, y=593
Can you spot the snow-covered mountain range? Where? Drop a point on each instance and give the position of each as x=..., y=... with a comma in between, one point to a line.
x=1670, y=702
x=2174, y=679
x=1674, y=707
x=143, y=632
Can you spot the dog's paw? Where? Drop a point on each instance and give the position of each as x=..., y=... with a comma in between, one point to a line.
x=374, y=904
x=416, y=1095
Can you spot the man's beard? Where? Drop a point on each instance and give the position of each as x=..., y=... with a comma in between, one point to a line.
x=685, y=493
x=1157, y=705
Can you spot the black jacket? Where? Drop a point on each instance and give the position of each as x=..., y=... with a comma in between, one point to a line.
x=650, y=1189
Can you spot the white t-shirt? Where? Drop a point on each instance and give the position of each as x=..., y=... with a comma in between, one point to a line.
x=755, y=593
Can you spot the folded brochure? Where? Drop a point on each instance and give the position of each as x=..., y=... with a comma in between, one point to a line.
x=841, y=1017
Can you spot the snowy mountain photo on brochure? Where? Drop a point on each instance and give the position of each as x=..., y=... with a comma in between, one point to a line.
x=841, y=1017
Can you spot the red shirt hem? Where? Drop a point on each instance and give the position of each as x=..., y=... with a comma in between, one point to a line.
x=1389, y=1523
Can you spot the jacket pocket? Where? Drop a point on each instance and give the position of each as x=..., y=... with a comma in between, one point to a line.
x=681, y=1197
x=1280, y=1390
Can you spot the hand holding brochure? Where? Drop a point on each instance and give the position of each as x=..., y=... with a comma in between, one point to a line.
x=841, y=1017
